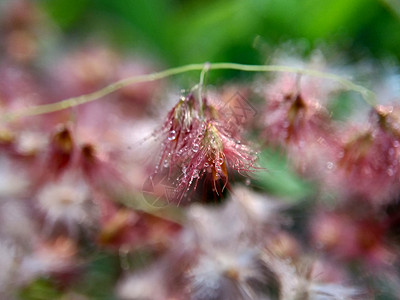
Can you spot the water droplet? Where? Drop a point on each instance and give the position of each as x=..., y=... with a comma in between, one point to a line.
x=396, y=144
x=206, y=164
x=195, y=173
x=220, y=161
x=172, y=135
x=247, y=181
x=166, y=163
x=390, y=172
x=195, y=147
x=330, y=165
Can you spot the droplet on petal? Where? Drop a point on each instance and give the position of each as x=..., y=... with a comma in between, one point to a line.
x=195, y=147
x=166, y=163
x=330, y=165
x=172, y=135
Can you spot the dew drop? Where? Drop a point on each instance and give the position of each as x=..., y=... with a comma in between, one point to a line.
x=247, y=181
x=166, y=163
x=172, y=135
x=396, y=144
x=390, y=172
x=330, y=165
x=220, y=161
x=195, y=147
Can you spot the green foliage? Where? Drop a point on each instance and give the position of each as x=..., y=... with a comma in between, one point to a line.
x=243, y=31
x=279, y=179
x=40, y=289
x=100, y=277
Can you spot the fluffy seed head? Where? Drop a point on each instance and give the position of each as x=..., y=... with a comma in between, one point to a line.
x=66, y=200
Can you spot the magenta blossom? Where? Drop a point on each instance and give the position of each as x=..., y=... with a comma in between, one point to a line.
x=198, y=144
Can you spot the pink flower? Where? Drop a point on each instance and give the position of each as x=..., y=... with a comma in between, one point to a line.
x=295, y=112
x=215, y=151
x=179, y=133
x=199, y=146
x=296, y=120
x=369, y=163
x=353, y=236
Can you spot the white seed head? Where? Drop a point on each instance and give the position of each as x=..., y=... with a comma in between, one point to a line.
x=66, y=200
x=223, y=274
x=31, y=142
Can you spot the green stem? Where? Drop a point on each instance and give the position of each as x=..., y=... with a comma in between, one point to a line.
x=367, y=94
x=203, y=73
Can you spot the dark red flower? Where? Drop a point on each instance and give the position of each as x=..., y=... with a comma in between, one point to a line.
x=198, y=144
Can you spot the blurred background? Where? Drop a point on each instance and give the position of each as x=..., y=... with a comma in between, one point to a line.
x=53, y=41
x=188, y=31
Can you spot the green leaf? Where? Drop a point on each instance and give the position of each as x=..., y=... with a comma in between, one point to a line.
x=279, y=179
x=66, y=13
x=40, y=289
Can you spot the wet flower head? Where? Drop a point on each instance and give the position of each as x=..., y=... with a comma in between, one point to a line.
x=181, y=125
x=199, y=144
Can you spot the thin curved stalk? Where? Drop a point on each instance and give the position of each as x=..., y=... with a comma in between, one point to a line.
x=367, y=94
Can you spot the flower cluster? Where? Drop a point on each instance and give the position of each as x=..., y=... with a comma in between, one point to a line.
x=245, y=262
x=90, y=209
x=198, y=143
